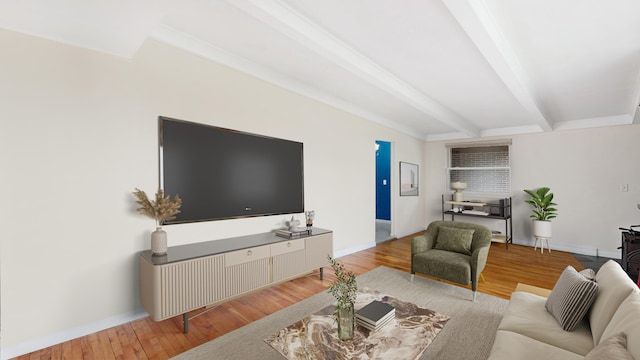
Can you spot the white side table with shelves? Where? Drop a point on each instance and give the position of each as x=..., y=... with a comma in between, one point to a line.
x=499, y=209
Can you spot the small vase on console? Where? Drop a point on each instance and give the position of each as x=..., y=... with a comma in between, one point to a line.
x=159, y=242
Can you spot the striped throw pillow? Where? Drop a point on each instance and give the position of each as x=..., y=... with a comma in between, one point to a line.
x=571, y=298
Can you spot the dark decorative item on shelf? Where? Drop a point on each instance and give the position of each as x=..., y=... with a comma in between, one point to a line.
x=345, y=290
x=161, y=209
x=543, y=211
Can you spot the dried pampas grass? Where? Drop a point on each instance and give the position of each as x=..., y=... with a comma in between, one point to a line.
x=162, y=209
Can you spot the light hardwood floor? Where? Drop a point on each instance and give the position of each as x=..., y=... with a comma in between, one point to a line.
x=146, y=339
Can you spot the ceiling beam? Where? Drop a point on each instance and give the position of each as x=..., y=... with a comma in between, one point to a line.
x=291, y=23
x=193, y=45
x=476, y=20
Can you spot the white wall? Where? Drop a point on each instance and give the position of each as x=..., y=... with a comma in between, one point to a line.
x=79, y=133
x=583, y=168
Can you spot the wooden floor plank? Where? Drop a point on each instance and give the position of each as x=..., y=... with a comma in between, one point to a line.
x=146, y=339
x=149, y=341
x=72, y=349
x=125, y=344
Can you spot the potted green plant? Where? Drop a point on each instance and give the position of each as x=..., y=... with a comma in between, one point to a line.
x=161, y=209
x=345, y=290
x=543, y=211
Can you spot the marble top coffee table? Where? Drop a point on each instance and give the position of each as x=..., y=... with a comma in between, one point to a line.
x=405, y=337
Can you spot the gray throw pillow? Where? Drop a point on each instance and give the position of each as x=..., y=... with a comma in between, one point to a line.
x=613, y=348
x=454, y=239
x=571, y=298
x=589, y=274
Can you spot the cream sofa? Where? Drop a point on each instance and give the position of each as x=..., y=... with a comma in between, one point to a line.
x=528, y=331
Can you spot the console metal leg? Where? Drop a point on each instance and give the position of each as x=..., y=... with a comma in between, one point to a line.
x=185, y=323
x=321, y=273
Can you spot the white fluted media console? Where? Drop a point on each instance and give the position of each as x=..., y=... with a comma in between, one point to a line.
x=197, y=275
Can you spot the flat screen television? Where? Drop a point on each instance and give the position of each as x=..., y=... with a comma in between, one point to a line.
x=223, y=174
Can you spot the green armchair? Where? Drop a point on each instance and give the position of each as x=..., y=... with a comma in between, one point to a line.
x=453, y=251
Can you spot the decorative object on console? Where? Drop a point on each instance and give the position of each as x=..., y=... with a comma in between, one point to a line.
x=161, y=209
x=345, y=290
x=293, y=232
x=310, y=215
x=292, y=224
x=159, y=244
x=458, y=187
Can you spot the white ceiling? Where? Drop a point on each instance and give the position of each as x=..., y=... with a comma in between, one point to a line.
x=434, y=69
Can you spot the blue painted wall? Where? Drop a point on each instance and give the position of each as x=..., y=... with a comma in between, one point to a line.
x=383, y=180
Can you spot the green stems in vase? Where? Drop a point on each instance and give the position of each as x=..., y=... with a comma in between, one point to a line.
x=345, y=290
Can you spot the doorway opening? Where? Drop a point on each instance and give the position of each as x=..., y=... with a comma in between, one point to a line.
x=383, y=191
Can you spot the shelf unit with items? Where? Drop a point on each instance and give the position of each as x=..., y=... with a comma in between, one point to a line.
x=497, y=209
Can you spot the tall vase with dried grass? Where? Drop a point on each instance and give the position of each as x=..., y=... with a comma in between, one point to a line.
x=345, y=290
x=161, y=209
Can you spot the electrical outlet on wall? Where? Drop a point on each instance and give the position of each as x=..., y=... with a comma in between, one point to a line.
x=624, y=187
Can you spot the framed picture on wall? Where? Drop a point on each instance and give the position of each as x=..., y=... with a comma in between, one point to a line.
x=408, y=179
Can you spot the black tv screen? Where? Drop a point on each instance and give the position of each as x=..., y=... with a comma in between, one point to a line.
x=222, y=174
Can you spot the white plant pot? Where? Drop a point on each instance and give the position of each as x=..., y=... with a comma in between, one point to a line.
x=542, y=228
x=159, y=242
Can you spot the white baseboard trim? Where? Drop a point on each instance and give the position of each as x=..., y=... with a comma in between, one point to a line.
x=401, y=235
x=69, y=334
x=574, y=249
x=355, y=249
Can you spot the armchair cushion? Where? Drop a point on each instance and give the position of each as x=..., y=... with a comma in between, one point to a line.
x=453, y=239
x=447, y=265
